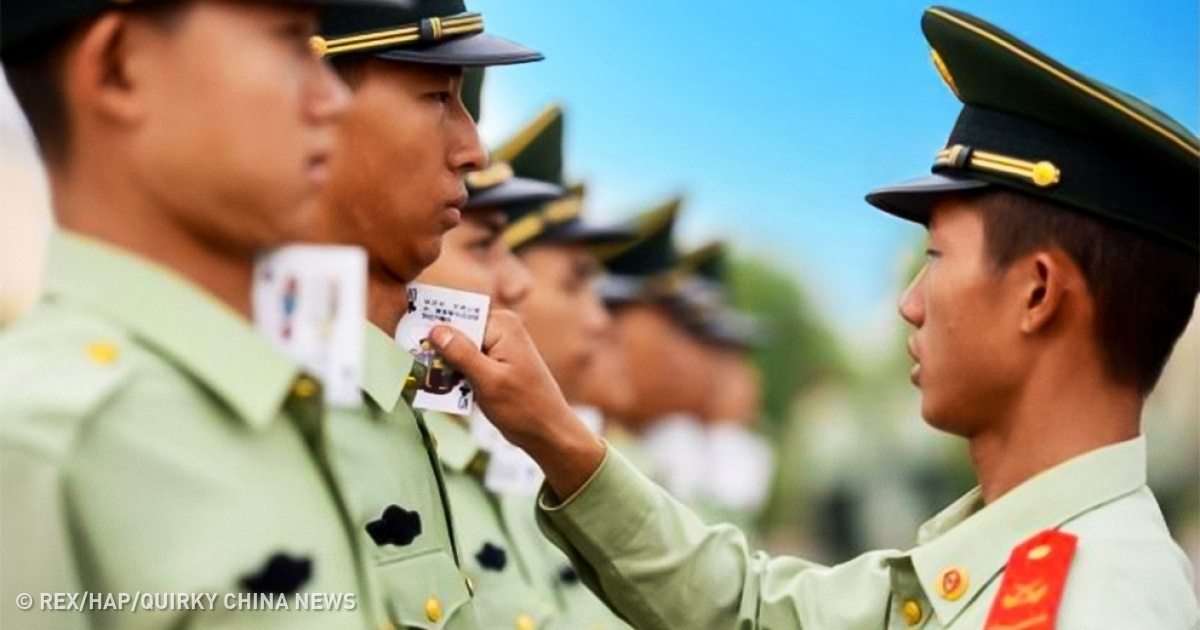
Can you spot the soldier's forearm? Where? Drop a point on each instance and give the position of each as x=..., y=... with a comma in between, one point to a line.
x=567, y=453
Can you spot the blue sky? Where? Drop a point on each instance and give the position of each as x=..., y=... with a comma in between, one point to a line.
x=775, y=118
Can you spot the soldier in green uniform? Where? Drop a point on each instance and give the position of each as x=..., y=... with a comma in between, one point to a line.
x=568, y=323
x=1062, y=267
x=649, y=288
x=738, y=462
x=511, y=585
x=395, y=187
x=152, y=441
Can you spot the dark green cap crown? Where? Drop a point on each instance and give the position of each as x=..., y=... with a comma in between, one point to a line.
x=652, y=250
x=536, y=151
x=709, y=262
x=1033, y=125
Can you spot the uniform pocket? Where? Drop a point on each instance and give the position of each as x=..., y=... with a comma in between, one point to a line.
x=426, y=591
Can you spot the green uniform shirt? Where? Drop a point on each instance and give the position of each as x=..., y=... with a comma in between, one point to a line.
x=656, y=562
x=152, y=442
x=394, y=488
x=497, y=535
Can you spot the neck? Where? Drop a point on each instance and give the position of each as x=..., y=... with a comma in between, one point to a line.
x=1052, y=421
x=387, y=301
x=90, y=204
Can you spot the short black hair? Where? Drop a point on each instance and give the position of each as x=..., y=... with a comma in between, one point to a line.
x=35, y=75
x=1144, y=289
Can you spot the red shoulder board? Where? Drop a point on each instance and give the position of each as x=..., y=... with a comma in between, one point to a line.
x=1033, y=583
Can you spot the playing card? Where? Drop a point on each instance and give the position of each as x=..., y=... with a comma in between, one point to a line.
x=310, y=301
x=443, y=388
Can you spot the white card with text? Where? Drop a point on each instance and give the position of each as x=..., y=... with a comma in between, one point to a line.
x=310, y=301
x=443, y=388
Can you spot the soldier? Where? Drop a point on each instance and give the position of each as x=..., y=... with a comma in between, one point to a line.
x=738, y=462
x=1062, y=267
x=395, y=187
x=512, y=588
x=568, y=322
x=667, y=364
x=152, y=441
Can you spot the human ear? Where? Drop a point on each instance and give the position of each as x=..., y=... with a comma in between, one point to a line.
x=102, y=74
x=1046, y=279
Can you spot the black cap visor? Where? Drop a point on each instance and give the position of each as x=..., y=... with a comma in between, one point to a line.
x=913, y=200
x=584, y=233
x=471, y=51
x=514, y=191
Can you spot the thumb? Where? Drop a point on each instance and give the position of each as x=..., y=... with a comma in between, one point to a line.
x=457, y=348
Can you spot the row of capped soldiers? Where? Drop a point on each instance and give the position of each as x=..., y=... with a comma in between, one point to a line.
x=154, y=442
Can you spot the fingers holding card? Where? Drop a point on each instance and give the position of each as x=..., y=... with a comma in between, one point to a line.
x=442, y=388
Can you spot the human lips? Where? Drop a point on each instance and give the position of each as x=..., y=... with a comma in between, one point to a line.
x=914, y=375
x=451, y=214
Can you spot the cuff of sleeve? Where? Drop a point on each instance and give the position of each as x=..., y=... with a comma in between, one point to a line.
x=612, y=504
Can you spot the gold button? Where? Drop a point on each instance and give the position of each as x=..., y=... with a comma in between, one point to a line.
x=433, y=609
x=103, y=352
x=410, y=382
x=318, y=45
x=912, y=612
x=952, y=583
x=1045, y=174
x=304, y=388
x=525, y=622
x=386, y=625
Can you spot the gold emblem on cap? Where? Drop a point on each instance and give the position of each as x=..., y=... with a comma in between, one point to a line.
x=1045, y=174
x=952, y=583
x=430, y=30
x=1042, y=173
x=943, y=71
x=319, y=46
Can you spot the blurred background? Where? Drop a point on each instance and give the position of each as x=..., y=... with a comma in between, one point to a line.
x=774, y=119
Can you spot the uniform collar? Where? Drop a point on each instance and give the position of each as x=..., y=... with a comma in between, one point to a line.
x=978, y=540
x=177, y=319
x=456, y=448
x=385, y=369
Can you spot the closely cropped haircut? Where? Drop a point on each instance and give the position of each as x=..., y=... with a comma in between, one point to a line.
x=1144, y=290
x=352, y=69
x=35, y=74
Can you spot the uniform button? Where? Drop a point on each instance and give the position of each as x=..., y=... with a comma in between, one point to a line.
x=304, y=388
x=410, y=382
x=386, y=625
x=433, y=609
x=525, y=622
x=912, y=612
x=952, y=583
x=103, y=352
